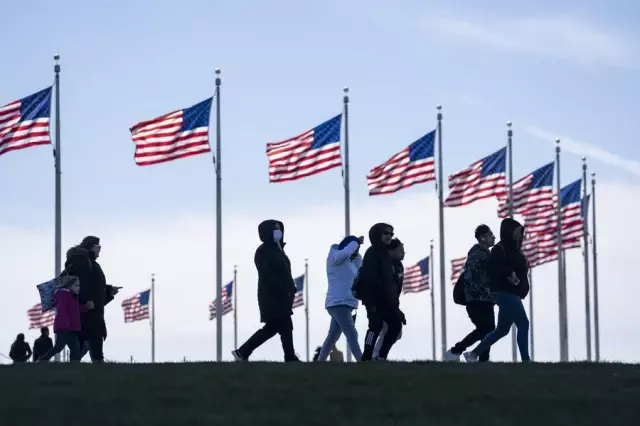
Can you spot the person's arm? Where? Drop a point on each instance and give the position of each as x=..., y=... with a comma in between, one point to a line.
x=267, y=274
x=338, y=257
x=109, y=294
x=495, y=265
x=80, y=267
x=475, y=265
x=29, y=352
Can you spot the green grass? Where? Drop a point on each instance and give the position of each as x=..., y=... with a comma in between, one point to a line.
x=327, y=394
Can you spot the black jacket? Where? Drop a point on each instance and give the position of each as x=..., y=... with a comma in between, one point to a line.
x=398, y=278
x=20, y=352
x=276, y=288
x=376, y=278
x=93, y=287
x=506, y=257
x=41, y=346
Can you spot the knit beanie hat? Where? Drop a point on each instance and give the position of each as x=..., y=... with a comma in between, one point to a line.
x=347, y=240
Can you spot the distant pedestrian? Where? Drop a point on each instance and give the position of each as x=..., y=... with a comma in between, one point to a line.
x=20, y=350
x=509, y=283
x=478, y=300
x=67, y=324
x=82, y=263
x=336, y=355
x=276, y=291
x=42, y=344
x=375, y=288
x=316, y=354
x=343, y=263
x=396, y=250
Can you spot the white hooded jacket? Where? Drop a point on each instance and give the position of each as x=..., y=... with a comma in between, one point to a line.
x=341, y=271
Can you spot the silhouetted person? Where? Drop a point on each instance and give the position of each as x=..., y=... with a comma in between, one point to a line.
x=316, y=354
x=508, y=270
x=20, y=350
x=336, y=355
x=479, y=302
x=276, y=290
x=42, y=344
x=81, y=262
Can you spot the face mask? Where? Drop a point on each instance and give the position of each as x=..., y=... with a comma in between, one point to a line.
x=277, y=235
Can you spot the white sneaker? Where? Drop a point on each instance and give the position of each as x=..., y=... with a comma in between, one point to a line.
x=451, y=357
x=237, y=356
x=470, y=357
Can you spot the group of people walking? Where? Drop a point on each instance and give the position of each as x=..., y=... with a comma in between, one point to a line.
x=494, y=274
x=80, y=297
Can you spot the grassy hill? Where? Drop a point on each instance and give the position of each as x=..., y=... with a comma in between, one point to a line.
x=429, y=394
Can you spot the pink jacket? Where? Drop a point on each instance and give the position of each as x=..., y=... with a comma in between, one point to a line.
x=67, y=312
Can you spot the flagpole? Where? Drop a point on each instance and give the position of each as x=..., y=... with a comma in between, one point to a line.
x=235, y=306
x=585, y=239
x=218, y=168
x=561, y=289
x=532, y=344
x=153, y=318
x=596, y=311
x=58, y=183
x=443, y=285
x=347, y=189
x=514, y=343
x=306, y=301
x=433, y=304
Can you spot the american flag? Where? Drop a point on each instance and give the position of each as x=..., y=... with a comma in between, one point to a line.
x=411, y=166
x=298, y=299
x=457, y=266
x=178, y=134
x=416, y=277
x=136, y=308
x=532, y=192
x=307, y=154
x=38, y=319
x=483, y=179
x=541, y=245
x=25, y=122
x=227, y=303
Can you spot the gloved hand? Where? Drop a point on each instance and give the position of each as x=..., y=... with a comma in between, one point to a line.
x=403, y=319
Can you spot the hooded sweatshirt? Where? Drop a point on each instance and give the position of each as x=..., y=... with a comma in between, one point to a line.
x=276, y=288
x=506, y=258
x=342, y=269
x=375, y=281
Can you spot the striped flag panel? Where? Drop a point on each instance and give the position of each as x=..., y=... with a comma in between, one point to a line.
x=483, y=179
x=416, y=277
x=38, y=319
x=457, y=266
x=25, y=123
x=298, y=299
x=175, y=135
x=531, y=193
x=309, y=153
x=136, y=308
x=227, y=302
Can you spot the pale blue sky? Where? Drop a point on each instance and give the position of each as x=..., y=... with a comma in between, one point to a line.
x=284, y=65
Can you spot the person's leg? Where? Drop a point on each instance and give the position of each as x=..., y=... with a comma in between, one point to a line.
x=486, y=323
x=522, y=324
x=394, y=328
x=254, y=342
x=375, y=326
x=474, y=310
x=505, y=319
x=96, y=343
x=342, y=315
x=332, y=336
x=285, y=329
x=74, y=347
x=383, y=333
x=61, y=341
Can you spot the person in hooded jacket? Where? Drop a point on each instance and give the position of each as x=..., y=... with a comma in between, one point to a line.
x=94, y=292
x=396, y=250
x=276, y=291
x=375, y=287
x=42, y=344
x=20, y=351
x=343, y=263
x=507, y=268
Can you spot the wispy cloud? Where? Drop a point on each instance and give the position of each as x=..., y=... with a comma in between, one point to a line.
x=587, y=150
x=561, y=37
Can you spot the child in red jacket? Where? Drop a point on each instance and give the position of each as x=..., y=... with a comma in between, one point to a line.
x=67, y=324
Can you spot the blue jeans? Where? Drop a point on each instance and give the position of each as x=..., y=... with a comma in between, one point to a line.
x=341, y=322
x=510, y=310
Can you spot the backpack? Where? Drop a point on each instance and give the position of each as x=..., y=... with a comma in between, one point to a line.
x=356, y=288
x=458, y=290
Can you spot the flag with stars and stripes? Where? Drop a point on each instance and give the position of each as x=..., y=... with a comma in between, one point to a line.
x=175, y=135
x=416, y=277
x=483, y=179
x=227, y=302
x=39, y=319
x=532, y=193
x=411, y=166
x=457, y=266
x=298, y=299
x=25, y=123
x=309, y=153
x=136, y=308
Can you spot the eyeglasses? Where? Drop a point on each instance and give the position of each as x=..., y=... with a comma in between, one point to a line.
x=389, y=233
